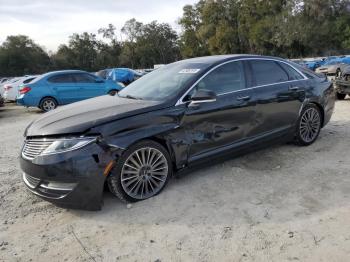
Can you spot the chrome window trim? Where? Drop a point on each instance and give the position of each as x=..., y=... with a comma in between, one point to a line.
x=180, y=101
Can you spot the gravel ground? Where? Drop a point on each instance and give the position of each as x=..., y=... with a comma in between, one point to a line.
x=284, y=203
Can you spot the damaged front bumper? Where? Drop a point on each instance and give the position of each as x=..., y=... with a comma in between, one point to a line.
x=73, y=179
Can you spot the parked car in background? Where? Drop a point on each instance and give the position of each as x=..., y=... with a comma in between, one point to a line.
x=123, y=75
x=332, y=68
x=8, y=81
x=4, y=79
x=1, y=101
x=103, y=73
x=11, y=90
x=342, y=82
x=313, y=65
x=180, y=115
x=64, y=87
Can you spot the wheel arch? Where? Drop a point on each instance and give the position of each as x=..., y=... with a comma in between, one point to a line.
x=113, y=89
x=48, y=97
x=163, y=141
x=320, y=107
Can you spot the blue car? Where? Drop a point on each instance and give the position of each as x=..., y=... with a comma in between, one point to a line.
x=123, y=75
x=64, y=87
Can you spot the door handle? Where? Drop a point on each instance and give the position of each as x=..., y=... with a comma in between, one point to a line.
x=293, y=88
x=243, y=98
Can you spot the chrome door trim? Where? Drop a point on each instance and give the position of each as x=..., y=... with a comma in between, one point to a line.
x=180, y=101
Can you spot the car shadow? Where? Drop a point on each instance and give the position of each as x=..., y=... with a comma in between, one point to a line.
x=274, y=185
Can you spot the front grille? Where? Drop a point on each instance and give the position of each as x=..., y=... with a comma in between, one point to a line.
x=30, y=181
x=34, y=147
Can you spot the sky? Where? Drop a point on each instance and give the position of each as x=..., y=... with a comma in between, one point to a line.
x=49, y=23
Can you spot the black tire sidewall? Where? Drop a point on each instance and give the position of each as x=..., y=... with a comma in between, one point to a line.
x=46, y=99
x=112, y=92
x=114, y=178
x=298, y=139
x=341, y=96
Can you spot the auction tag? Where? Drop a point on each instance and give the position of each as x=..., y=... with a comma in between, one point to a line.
x=189, y=71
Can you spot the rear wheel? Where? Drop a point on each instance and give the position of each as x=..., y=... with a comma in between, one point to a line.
x=309, y=125
x=48, y=104
x=141, y=172
x=341, y=96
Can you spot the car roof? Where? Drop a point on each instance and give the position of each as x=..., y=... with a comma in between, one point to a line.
x=64, y=72
x=222, y=58
x=52, y=73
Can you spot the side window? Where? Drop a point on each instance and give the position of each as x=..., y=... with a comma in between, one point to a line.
x=292, y=73
x=267, y=72
x=65, y=78
x=84, y=78
x=224, y=79
x=28, y=80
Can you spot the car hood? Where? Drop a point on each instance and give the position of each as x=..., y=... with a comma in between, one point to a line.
x=81, y=116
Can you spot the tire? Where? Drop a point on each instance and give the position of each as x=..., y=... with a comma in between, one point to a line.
x=341, y=96
x=132, y=181
x=308, y=126
x=338, y=73
x=48, y=104
x=112, y=92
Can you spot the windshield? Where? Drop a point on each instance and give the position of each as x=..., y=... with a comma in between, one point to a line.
x=163, y=83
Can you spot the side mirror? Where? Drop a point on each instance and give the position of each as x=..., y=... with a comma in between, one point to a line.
x=202, y=96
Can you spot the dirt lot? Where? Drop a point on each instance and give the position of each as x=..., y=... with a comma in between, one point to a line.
x=285, y=203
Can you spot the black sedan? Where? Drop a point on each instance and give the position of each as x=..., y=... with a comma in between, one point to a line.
x=177, y=116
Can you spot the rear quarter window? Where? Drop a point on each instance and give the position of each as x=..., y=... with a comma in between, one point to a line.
x=292, y=73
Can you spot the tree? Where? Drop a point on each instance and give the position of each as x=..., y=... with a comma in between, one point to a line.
x=148, y=44
x=157, y=44
x=19, y=55
x=288, y=28
x=109, y=54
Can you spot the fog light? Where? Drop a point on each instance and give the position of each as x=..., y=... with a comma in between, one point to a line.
x=58, y=186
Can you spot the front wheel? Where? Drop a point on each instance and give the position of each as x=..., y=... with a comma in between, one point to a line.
x=341, y=96
x=141, y=172
x=48, y=104
x=309, y=125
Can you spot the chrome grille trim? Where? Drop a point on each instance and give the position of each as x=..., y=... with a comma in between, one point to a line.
x=30, y=181
x=34, y=147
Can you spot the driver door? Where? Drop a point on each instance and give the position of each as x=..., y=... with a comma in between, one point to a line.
x=88, y=86
x=219, y=125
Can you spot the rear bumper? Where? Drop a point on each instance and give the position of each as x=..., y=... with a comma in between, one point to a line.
x=342, y=86
x=70, y=181
x=27, y=100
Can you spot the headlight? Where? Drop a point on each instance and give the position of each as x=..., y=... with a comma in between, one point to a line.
x=64, y=145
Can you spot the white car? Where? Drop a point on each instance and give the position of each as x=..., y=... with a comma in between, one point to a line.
x=9, y=81
x=11, y=89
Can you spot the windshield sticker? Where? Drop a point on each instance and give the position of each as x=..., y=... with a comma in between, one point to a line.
x=189, y=71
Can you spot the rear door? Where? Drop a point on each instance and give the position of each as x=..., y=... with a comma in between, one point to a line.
x=64, y=88
x=89, y=86
x=279, y=92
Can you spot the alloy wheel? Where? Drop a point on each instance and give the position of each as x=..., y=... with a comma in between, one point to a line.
x=310, y=125
x=48, y=105
x=144, y=173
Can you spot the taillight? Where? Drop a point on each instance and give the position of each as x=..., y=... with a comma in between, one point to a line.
x=24, y=90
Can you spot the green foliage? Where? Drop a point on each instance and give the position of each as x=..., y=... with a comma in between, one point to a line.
x=287, y=28
x=19, y=55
